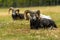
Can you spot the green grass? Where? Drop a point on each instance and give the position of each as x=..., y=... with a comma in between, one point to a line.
x=20, y=29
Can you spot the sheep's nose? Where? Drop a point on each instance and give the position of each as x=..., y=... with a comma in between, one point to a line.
x=34, y=18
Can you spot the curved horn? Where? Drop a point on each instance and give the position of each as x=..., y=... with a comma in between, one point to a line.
x=25, y=14
x=11, y=8
x=17, y=10
x=38, y=13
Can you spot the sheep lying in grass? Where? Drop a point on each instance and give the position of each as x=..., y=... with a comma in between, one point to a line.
x=16, y=14
x=36, y=22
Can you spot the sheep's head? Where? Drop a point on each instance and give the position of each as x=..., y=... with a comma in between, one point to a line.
x=33, y=14
x=13, y=10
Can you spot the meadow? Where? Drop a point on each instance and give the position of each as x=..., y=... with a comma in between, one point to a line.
x=20, y=29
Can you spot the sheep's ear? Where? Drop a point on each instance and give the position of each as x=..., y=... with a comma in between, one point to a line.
x=38, y=13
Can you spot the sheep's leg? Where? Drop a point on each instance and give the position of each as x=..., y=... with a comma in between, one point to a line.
x=53, y=25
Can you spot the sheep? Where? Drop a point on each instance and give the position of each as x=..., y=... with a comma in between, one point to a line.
x=16, y=14
x=37, y=22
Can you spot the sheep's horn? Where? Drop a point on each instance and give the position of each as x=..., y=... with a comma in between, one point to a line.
x=25, y=14
x=17, y=10
x=11, y=8
x=38, y=13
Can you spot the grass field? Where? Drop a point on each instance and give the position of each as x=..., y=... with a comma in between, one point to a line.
x=20, y=29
